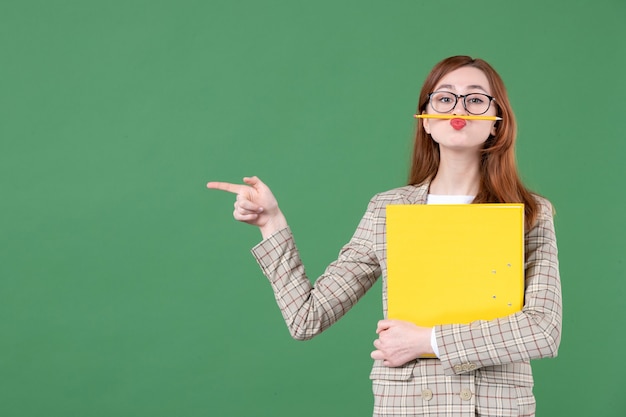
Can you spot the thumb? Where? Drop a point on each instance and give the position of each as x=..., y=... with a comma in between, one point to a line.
x=253, y=181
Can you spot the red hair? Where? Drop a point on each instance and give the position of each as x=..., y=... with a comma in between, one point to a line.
x=499, y=179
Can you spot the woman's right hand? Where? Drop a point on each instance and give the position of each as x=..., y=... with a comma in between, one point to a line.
x=255, y=204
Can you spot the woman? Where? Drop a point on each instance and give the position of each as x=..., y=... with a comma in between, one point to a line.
x=482, y=368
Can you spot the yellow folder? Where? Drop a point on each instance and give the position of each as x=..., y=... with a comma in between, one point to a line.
x=454, y=263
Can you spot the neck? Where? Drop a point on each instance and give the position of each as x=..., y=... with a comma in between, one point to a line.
x=458, y=174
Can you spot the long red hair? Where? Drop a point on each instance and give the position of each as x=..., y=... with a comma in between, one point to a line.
x=499, y=179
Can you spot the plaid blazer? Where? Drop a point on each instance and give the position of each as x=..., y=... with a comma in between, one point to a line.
x=483, y=368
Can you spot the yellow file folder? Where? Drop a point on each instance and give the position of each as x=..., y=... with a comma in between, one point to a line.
x=454, y=263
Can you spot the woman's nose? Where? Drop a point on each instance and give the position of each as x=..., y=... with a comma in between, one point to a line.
x=459, y=108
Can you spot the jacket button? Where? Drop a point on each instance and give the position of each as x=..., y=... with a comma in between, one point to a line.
x=427, y=394
x=458, y=368
x=468, y=367
x=466, y=394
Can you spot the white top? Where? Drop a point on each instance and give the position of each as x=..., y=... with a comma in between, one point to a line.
x=449, y=199
x=445, y=199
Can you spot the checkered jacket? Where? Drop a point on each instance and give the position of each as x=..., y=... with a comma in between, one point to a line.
x=483, y=367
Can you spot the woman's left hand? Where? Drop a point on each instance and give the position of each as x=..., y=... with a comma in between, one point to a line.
x=400, y=342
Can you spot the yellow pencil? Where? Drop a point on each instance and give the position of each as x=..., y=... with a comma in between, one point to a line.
x=454, y=116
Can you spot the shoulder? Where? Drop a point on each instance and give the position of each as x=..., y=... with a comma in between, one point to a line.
x=545, y=209
x=408, y=194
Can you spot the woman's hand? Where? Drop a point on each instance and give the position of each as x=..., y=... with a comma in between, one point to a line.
x=400, y=342
x=255, y=204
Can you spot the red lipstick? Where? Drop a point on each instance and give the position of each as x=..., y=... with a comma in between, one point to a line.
x=457, y=123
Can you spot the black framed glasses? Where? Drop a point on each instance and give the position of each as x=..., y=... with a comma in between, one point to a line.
x=474, y=103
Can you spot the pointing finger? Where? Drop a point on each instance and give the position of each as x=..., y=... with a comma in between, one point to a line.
x=226, y=186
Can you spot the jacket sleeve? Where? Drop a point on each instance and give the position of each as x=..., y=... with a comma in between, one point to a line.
x=310, y=309
x=534, y=332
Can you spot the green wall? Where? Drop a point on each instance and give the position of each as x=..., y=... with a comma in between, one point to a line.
x=126, y=289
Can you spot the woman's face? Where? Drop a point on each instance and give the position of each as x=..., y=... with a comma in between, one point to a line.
x=465, y=80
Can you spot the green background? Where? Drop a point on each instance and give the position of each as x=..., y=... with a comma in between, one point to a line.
x=127, y=289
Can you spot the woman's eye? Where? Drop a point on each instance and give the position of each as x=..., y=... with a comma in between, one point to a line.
x=444, y=98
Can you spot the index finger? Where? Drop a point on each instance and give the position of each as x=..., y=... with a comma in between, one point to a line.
x=226, y=186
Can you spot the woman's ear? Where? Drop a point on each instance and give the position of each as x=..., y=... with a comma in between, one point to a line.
x=426, y=124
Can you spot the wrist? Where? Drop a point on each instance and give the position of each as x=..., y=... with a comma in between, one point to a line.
x=273, y=225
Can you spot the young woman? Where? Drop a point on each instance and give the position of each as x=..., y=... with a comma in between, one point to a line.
x=481, y=368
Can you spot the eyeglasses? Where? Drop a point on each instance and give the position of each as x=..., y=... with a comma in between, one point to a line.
x=474, y=103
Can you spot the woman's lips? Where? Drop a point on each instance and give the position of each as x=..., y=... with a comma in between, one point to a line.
x=457, y=123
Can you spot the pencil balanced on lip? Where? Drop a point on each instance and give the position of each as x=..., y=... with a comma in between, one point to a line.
x=455, y=116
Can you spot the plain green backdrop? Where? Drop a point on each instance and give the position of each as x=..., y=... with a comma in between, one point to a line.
x=127, y=289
